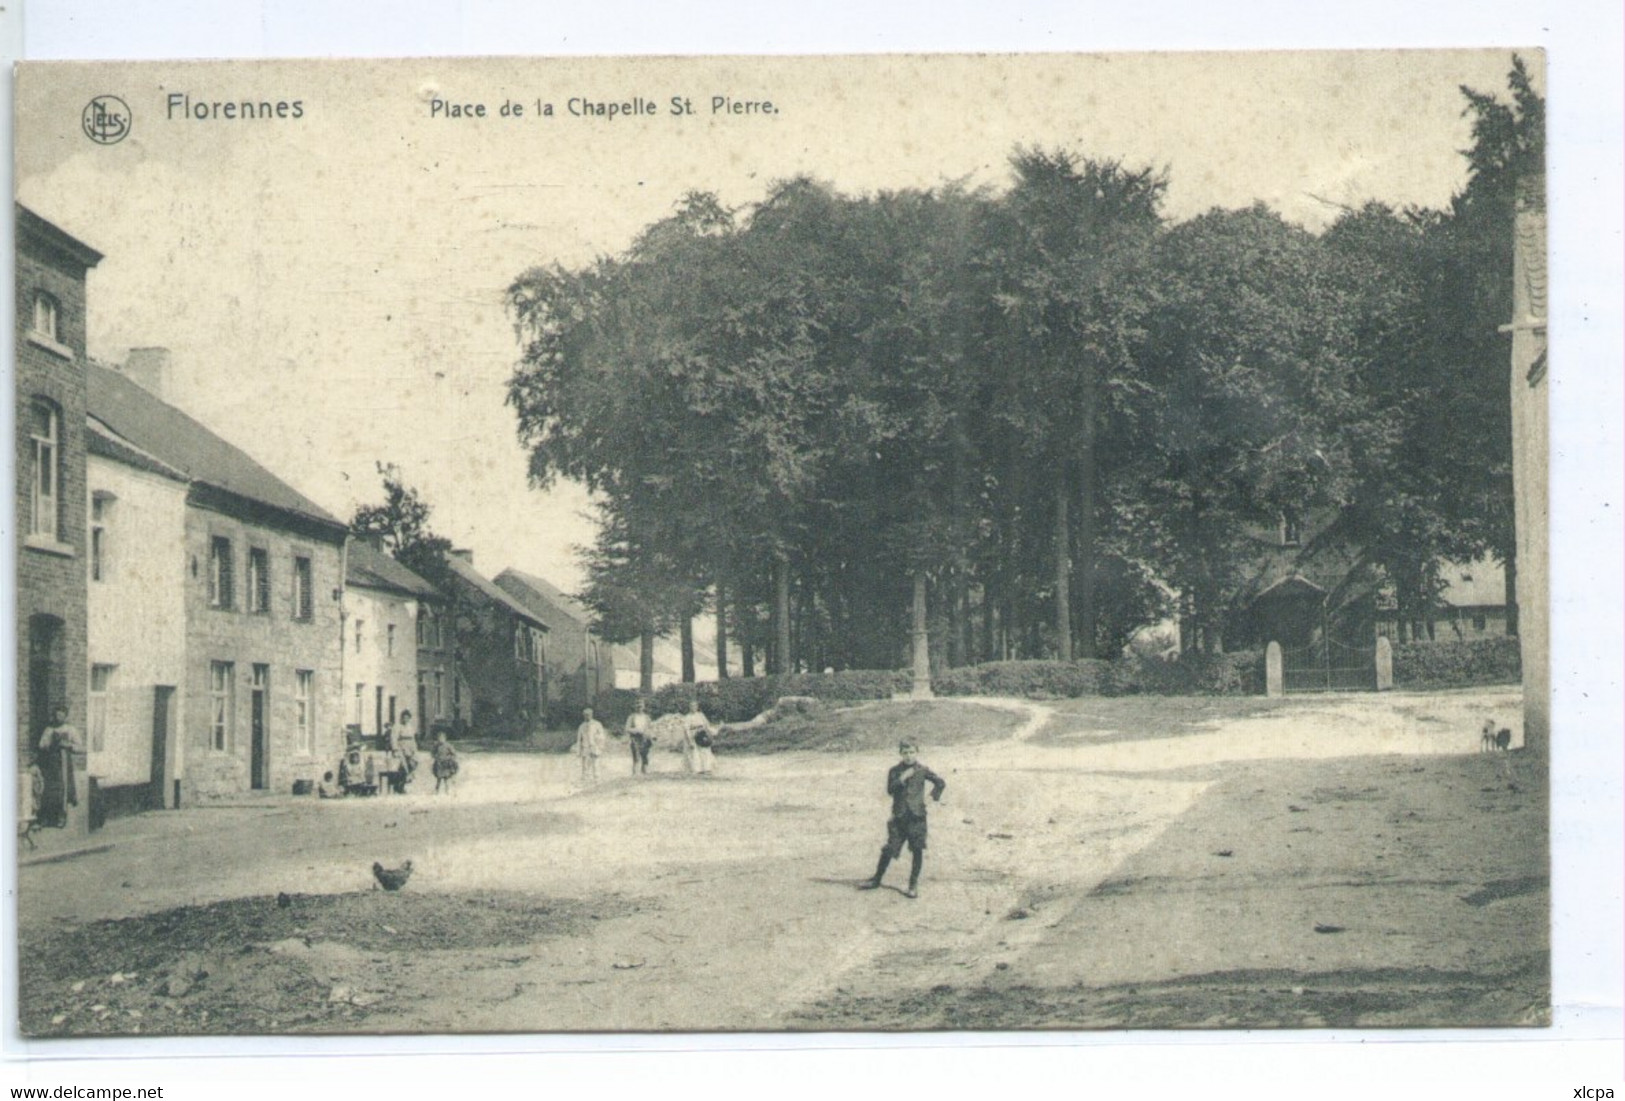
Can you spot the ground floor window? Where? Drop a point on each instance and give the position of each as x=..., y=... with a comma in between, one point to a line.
x=304, y=704
x=101, y=687
x=222, y=705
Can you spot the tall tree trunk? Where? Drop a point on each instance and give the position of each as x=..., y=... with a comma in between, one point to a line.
x=722, y=629
x=781, y=614
x=1087, y=630
x=1063, y=566
x=956, y=622
x=747, y=658
x=986, y=651
x=646, y=662
x=922, y=642
x=685, y=635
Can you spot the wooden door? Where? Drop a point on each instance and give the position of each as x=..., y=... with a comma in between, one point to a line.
x=259, y=724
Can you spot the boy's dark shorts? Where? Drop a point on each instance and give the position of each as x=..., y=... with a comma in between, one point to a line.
x=910, y=829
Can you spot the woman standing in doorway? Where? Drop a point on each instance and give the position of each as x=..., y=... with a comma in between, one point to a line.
x=57, y=746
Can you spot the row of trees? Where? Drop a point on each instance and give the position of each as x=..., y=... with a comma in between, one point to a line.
x=1016, y=423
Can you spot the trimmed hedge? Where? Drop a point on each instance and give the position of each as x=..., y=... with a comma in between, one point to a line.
x=1416, y=665
x=1033, y=680
x=1234, y=674
x=742, y=698
x=1461, y=664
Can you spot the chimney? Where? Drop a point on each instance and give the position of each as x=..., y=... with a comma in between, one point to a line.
x=148, y=368
x=465, y=553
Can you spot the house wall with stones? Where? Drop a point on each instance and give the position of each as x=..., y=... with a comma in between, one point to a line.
x=237, y=651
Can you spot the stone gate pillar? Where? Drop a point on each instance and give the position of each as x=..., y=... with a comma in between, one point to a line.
x=1385, y=664
x=1274, y=682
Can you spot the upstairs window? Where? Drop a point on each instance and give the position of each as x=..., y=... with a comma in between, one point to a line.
x=389, y=640
x=259, y=580
x=46, y=317
x=303, y=601
x=101, y=519
x=359, y=624
x=220, y=572
x=45, y=479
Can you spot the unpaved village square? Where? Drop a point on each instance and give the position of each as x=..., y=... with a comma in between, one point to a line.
x=1099, y=864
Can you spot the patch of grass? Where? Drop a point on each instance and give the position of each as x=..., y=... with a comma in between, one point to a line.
x=875, y=727
x=1143, y=718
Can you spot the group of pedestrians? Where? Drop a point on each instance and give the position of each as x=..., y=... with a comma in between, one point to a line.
x=698, y=736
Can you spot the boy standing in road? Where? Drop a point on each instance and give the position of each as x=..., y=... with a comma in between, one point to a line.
x=905, y=783
x=589, y=746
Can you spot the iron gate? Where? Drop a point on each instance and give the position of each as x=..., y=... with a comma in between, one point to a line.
x=1326, y=665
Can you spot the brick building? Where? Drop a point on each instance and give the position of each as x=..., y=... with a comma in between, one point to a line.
x=49, y=485
x=263, y=578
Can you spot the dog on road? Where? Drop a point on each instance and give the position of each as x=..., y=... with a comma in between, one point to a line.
x=1491, y=739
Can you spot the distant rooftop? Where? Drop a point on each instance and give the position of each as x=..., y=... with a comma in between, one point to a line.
x=371, y=568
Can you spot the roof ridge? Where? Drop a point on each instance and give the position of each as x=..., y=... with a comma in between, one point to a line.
x=127, y=396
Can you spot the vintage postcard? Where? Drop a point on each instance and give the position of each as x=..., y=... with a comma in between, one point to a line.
x=891, y=543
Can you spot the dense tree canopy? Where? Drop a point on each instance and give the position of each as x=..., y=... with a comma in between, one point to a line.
x=1019, y=423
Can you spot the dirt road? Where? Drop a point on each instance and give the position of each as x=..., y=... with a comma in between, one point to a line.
x=1318, y=862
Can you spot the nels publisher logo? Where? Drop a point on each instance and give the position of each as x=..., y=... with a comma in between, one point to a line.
x=106, y=120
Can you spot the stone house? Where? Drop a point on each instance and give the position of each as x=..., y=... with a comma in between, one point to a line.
x=1299, y=586
x=501, y=685
x=384, y=605
x=437, y=665
x=1305, y=581
x=1472, y=603
x=579, y=664
x=261, y=703
x=48, y=490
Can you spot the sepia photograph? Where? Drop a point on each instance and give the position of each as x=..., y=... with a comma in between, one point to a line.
x=904, y=543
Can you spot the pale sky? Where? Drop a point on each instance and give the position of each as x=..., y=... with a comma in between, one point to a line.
x=331, y=286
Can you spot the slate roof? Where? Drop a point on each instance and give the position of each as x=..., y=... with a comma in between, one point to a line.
x=558, y=609
x=164, y=432
x=102, y=440
x=465, y=570
x=370, y=568
x=546, y=601
x=54, y=236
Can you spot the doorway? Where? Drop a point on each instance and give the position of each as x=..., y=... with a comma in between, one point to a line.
x=259, y=765
x=46, y=675
x=162, y=790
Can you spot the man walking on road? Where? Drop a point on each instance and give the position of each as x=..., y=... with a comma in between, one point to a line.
x=637, y=733
x=905, y=783
x=589, y=746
